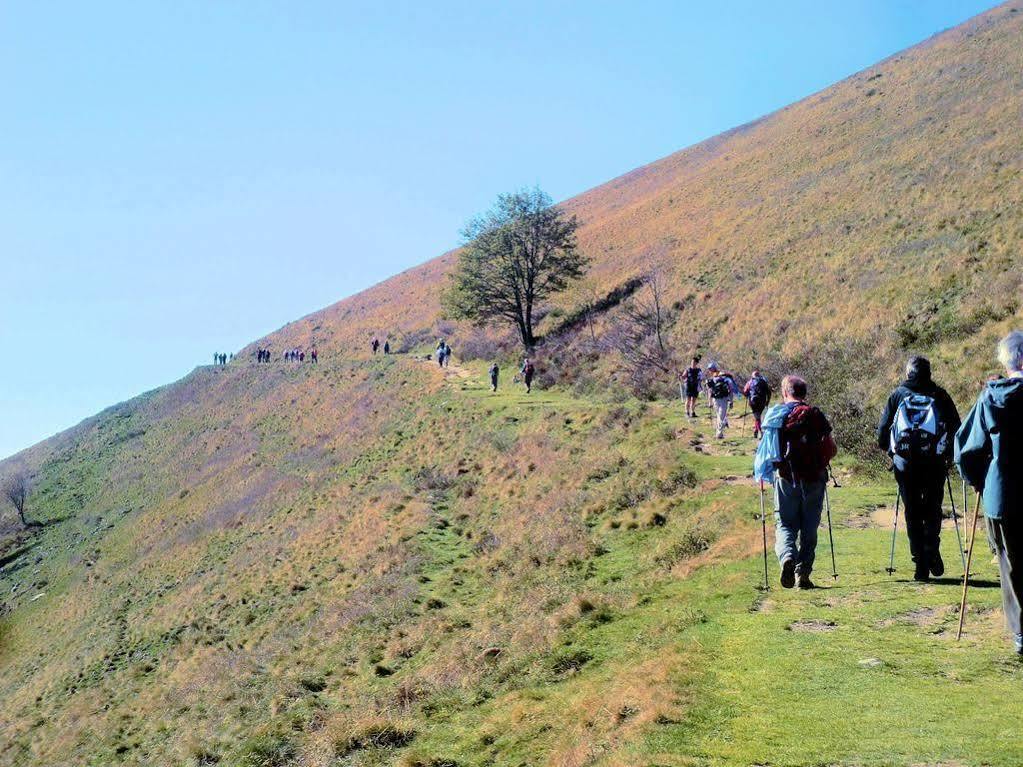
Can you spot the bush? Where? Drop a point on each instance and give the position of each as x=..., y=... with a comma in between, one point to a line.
x=691, y=543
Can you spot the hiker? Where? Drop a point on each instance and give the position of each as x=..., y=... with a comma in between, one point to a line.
x=441, y=352
x=794, y=455
x=720, y=389
x=987, y=452
x=916, y=430
x=375, y=344
x=494, y=371
x=301, y=356
x=447, y=354
x=313, y=357
x=758, y=393
x=387, y=347
x=527, y=374
x=691, y=380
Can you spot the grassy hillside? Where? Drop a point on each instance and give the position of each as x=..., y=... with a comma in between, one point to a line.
x=880, y=216
x=371, y=561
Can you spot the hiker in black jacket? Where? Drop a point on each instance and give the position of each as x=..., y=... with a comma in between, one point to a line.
x=916, y=430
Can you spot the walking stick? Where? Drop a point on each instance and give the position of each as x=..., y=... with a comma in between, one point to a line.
x=831, y=537
x=745, y=402
x=966, y=572
x=955, y=521
x=891, y=562
x=763, y=525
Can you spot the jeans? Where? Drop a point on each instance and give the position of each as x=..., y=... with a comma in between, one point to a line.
x=1008, y=538
x=797, y=515
x=922, y=493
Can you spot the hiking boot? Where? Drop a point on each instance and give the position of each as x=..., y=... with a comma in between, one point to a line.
x=805, y=582
x=937, y=566
x=788, y=573
x=921, y=574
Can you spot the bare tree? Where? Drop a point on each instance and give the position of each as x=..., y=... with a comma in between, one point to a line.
x=640, y=335
x=15, y=490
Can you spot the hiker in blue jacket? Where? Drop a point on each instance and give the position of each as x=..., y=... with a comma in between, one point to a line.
x=989, y=454
x=793, y=455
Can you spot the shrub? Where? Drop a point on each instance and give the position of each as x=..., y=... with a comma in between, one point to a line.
x=691, y=543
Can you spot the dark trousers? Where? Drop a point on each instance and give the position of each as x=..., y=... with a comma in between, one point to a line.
x=1007, y=536
x=922, y=493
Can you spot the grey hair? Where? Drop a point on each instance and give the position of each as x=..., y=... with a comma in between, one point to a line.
x=1010, y=351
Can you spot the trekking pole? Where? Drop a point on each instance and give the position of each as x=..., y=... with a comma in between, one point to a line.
x=831, y=537
x=955, y=521
x=891, y=561
x=745, y=402
x=763, y=525
x=966, y=572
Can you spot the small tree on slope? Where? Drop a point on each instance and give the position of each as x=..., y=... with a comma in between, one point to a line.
x=516, y=255
x=15, y=490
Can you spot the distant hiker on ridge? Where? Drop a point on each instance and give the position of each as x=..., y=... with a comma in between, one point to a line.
x=494, y=371
x=374, y=345
x=387, y=347
x=527, y=374
x=691, y=380
x=313, y=356
x=758, y=393
x=916, y=430
x=721, y=391
x=988, y=447
x=793, y=455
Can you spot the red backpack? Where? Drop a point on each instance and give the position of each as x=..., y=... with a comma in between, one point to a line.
x=806, y=444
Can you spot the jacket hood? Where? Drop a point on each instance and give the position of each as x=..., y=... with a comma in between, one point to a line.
x=1002, y=391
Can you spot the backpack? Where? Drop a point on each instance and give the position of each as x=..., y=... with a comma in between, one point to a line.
x=806, y=449
x=759, y=394
x=918, y=434
x=692, y=377
x=719, y=387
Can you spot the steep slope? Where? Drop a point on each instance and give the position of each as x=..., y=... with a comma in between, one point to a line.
x=881, y=214
x=373, y=561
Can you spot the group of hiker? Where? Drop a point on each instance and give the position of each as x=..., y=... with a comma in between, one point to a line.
x=722, y=389
x=375, y=346
x=219, y=358
x=299, y=355
x=443, y=353
x=920, y=430
x=290, y=355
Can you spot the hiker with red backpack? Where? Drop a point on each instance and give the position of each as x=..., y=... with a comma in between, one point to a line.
x=691, y=381
x=916, y=430
x=794, y=455
x=758, y=393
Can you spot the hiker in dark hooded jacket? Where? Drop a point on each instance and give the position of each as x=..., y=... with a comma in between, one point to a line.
x=494, y=372
x=989, y=454
x=916, y=430
x=758, y=393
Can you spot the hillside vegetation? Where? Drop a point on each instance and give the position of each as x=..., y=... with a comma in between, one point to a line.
x=373, y=561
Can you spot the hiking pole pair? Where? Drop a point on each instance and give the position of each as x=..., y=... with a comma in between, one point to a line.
x=966, y=571
x=763, y=524
x=955, y=521
x=895, y=527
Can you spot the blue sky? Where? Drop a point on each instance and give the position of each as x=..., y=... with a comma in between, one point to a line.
x=182, y=177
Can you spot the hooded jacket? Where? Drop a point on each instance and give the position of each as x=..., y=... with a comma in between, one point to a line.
x=989, y=447
x=943, y=404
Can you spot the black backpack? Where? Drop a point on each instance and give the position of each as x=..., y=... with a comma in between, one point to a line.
x=692, y=377
x=719, y=388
